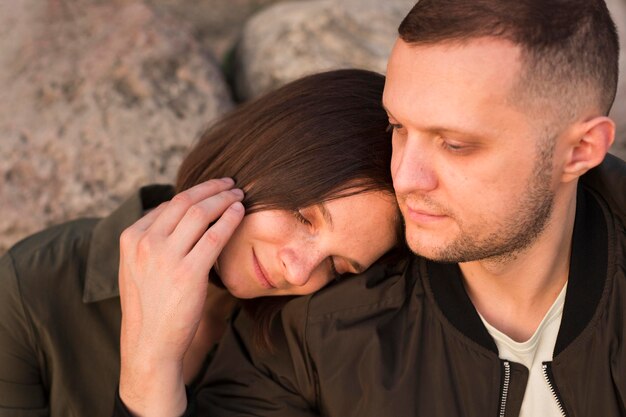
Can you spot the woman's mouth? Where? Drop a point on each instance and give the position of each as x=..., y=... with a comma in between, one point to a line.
x=260, y=274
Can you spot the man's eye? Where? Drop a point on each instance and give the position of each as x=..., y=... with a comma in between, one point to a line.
x=301, y=218
x=453, y=147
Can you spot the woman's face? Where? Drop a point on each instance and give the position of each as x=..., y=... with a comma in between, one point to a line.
x=280, y=252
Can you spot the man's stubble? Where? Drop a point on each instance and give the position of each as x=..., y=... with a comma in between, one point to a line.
x=517, y=231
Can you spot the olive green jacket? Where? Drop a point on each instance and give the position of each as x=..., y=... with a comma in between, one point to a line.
x=60, y=315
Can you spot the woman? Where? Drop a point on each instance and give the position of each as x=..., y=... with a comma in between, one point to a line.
x=312, y=158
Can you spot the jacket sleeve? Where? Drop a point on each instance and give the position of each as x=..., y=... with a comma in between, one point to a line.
x=120, y=410
x=245, y=380
x=21, y=391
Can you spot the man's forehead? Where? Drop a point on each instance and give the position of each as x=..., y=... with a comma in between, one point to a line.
x=460, y=88
x=480, y=70
x=477, y=57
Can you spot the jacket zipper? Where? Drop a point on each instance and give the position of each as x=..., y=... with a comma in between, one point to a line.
x=547, y=374
x=505, y=387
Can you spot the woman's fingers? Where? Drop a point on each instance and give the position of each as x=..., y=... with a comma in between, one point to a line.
x=207, y=249
x=146, y=221
x=198, y=218
x=178, y=206
x=131, y=235
x=163, y=292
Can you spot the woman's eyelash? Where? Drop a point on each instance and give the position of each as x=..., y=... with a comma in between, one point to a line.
x=393, y=126
x=301, y=218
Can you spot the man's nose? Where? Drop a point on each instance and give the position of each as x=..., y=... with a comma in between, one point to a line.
x=298, y=264
x=412, y=166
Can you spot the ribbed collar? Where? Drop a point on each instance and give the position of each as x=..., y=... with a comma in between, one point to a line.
x=104, y=255
x=587, y=277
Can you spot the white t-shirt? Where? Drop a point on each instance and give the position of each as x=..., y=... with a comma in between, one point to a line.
x=538, y=399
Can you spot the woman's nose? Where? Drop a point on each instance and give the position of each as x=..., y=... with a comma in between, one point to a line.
x=298, y=265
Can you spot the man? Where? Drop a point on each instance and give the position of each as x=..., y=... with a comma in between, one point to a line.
x=516, y=302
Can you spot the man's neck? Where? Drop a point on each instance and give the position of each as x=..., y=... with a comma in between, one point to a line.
x=514, y=293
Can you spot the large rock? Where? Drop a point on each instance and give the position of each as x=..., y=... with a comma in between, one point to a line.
x=216, y=23
x=97, y=99
x=618, y=113
x=289, y=40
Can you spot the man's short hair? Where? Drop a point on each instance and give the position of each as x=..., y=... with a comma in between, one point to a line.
x=570, y=48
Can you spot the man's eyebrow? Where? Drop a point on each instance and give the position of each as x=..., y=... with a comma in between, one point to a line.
x=443, y=129
x=326, y=214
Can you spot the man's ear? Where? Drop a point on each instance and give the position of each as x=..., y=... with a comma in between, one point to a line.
x=588, y=146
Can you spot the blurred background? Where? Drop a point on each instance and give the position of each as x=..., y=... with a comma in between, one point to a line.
x=100, y=97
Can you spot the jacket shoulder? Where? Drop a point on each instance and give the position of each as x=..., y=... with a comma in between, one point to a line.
x=384, y=285
x=43, y=260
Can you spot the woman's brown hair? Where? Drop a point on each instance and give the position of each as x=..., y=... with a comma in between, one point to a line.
x=318, y=138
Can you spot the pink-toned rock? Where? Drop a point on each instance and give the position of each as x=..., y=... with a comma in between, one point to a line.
x=97, y=99
x=618, y=113
x=216, y=23
x=292, y=39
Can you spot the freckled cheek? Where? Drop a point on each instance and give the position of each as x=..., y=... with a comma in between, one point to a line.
x=272, y=229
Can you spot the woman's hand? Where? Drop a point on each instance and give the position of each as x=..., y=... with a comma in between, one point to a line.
x=165, y=259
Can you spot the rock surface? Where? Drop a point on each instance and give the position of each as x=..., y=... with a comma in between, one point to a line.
x=216, y=23
x=97, y=99
x=292, y=39
x=101, y=96
x=618, y=113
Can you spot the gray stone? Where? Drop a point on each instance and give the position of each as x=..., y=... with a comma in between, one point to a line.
x=292, y=39
x=216, y=23
x=97, y=99
x=618, y=113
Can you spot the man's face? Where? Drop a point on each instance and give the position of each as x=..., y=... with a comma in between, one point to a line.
x=472, y=172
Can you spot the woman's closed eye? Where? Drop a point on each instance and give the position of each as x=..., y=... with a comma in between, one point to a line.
x=334, y=274
x=393, y=126
x=301, y=218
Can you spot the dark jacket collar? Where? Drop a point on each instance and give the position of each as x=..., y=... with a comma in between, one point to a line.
x=104, y=255
x=588, y=273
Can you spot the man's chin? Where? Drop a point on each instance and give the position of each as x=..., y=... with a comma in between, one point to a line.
x=434, y=251
x=420, y=248
x=423, y=242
